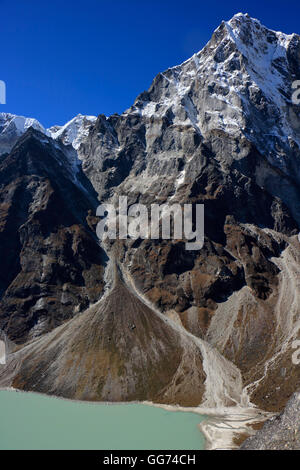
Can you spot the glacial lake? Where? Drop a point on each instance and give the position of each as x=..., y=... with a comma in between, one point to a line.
x=32, y=421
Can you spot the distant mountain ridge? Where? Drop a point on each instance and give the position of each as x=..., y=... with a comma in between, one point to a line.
x=13, y=126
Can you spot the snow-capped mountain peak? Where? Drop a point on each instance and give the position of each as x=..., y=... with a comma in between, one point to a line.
x=20, y=124
x=242, y=24
x=239, y=83
x=264, y=50
x=12, y=127
x=73, y=131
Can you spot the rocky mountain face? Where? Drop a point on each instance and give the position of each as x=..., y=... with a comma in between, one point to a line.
x=146, y=319
x=51, y=262
x=280, y=432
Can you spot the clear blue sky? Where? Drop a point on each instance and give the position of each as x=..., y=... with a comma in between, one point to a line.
x=62, y=57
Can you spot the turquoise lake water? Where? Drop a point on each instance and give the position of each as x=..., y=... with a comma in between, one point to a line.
x=31, y=421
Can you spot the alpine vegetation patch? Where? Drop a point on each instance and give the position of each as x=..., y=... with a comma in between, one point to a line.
x=2, y=92
x=161, y=222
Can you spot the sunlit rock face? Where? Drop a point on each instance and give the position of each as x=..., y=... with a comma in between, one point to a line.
x=220, y=130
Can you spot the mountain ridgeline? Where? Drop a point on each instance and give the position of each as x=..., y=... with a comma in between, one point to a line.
x=146, y=319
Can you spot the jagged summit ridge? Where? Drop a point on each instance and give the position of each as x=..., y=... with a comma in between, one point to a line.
x=239, y=83
x=265, y=51
x=12, y=127
x=243, y=75
x=9, y=121
x=72, y=133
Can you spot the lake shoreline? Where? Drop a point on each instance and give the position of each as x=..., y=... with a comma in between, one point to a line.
x=220, y=428
x=34, y=421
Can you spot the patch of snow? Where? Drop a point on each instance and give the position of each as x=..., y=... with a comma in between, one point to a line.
x=180, y=179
